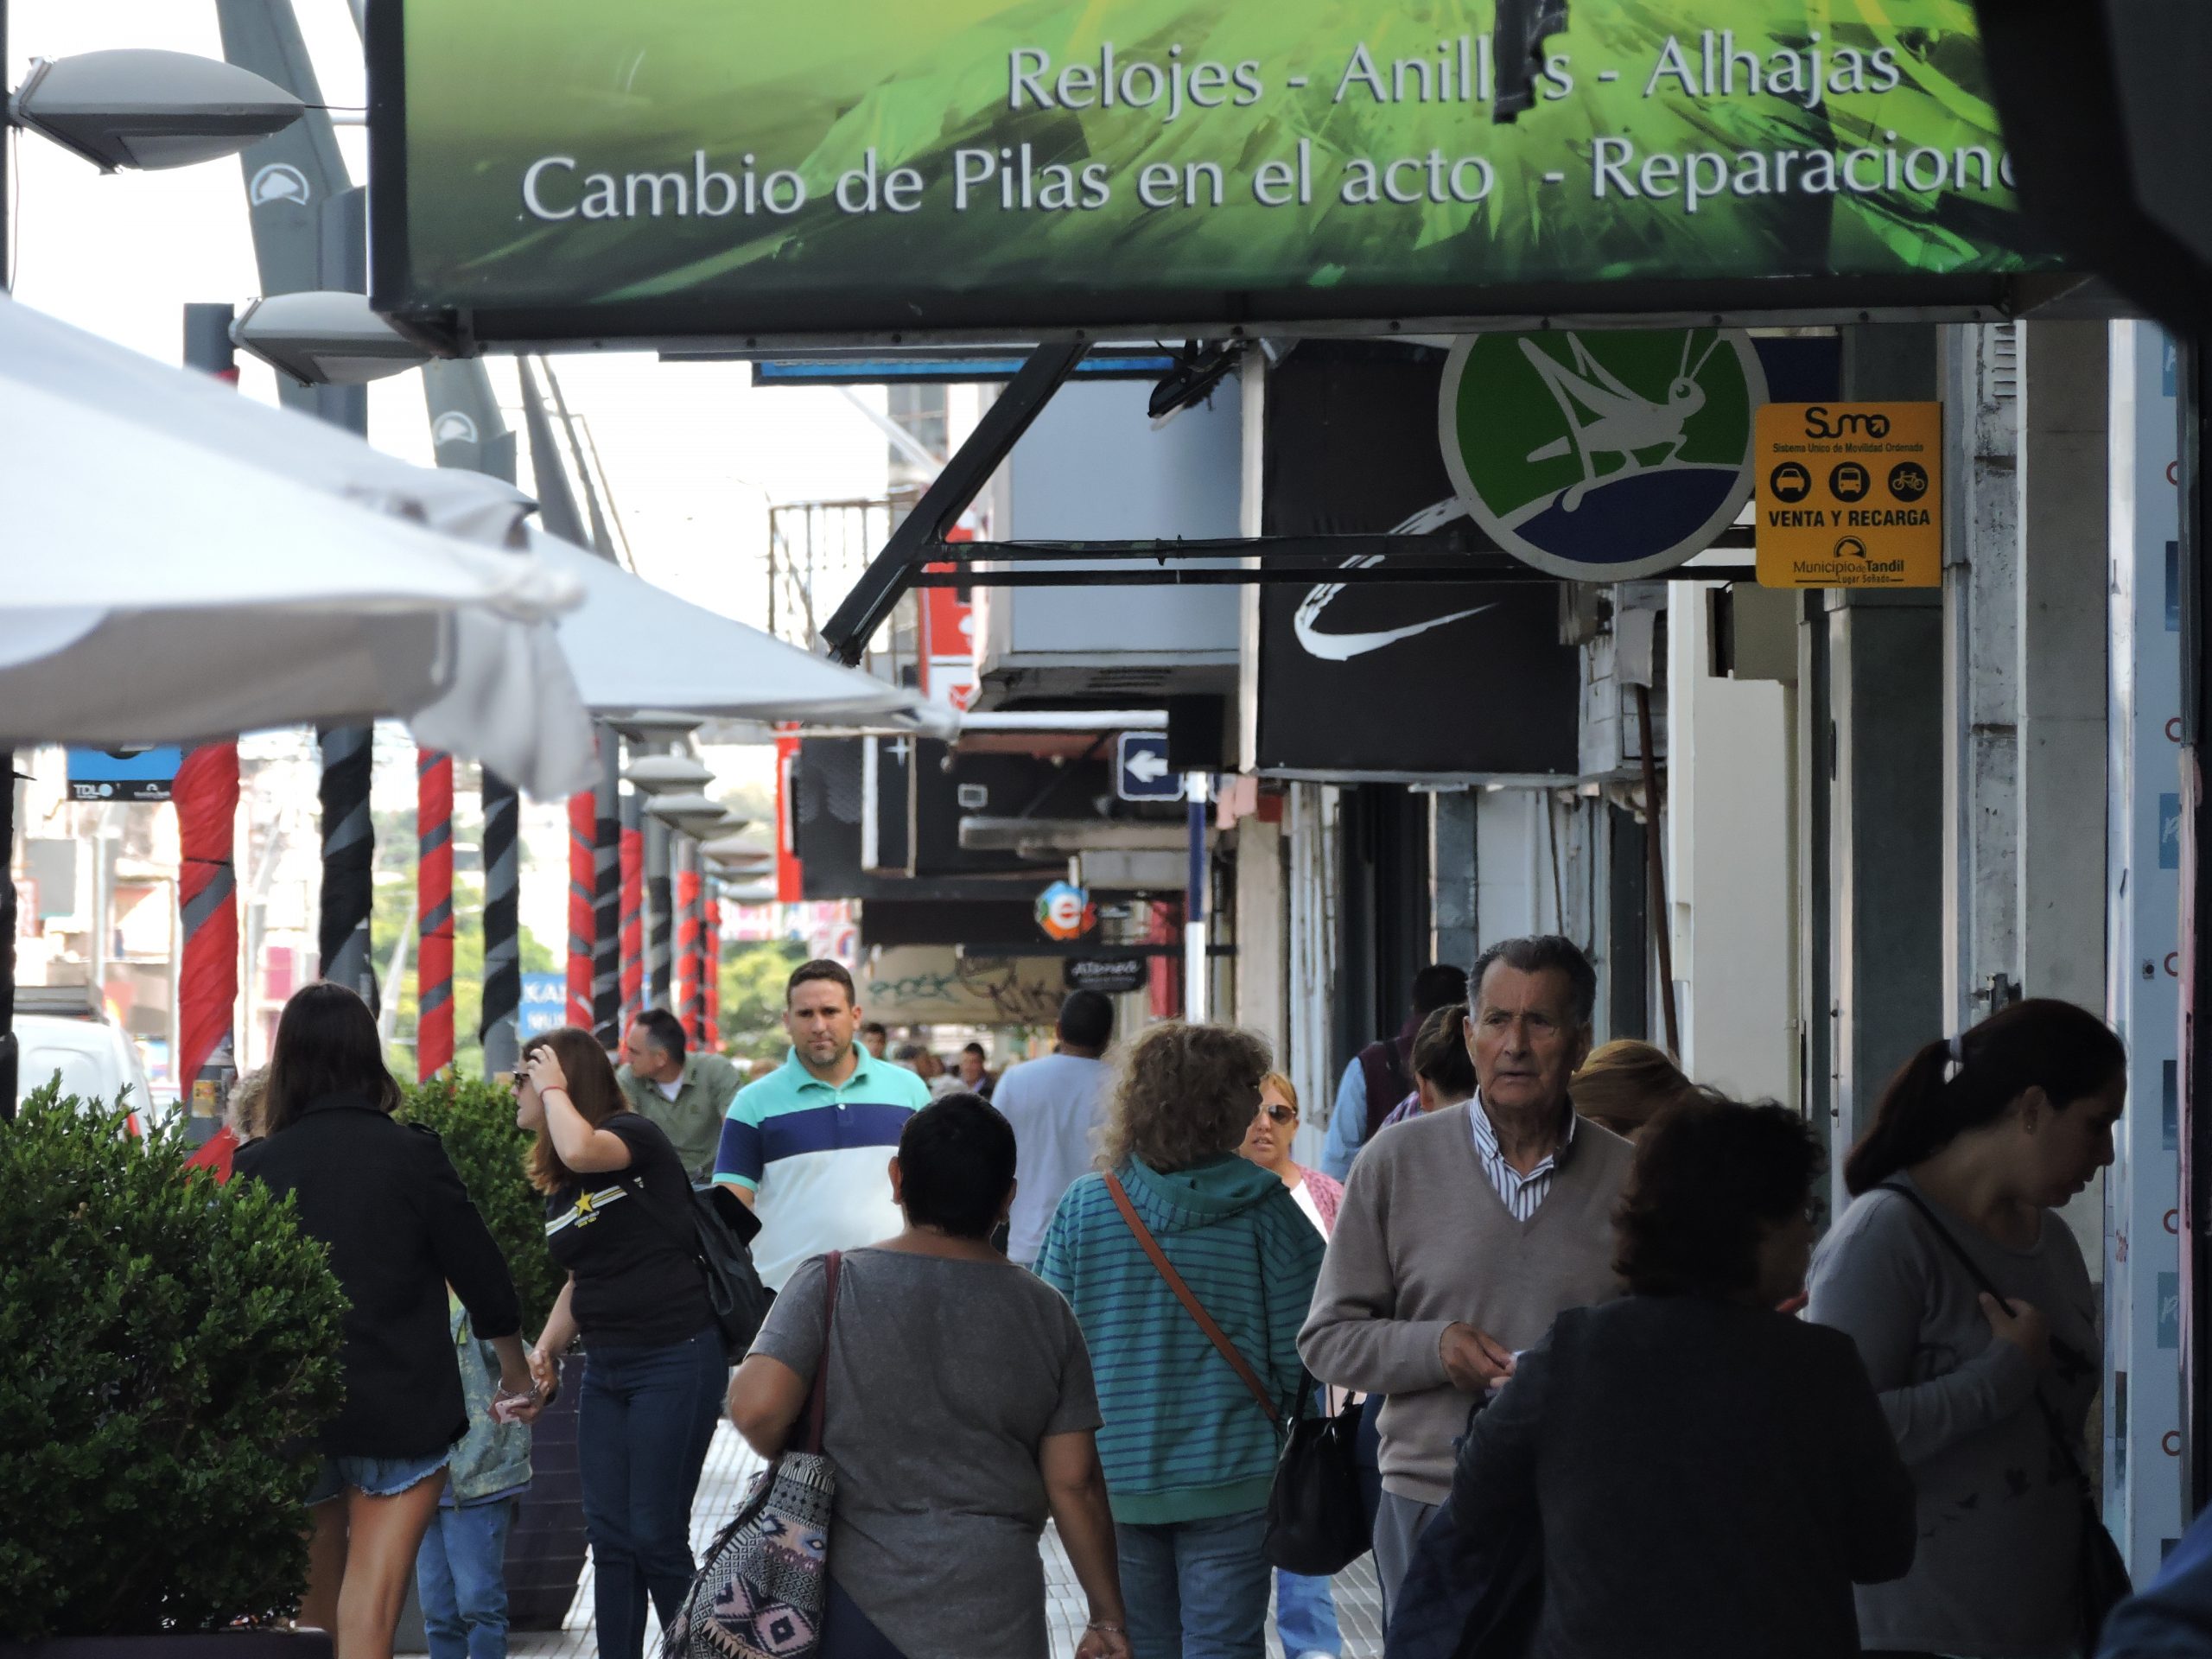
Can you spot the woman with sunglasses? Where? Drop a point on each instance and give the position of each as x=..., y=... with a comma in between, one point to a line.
x=618, y=1218
x=1305, y=1610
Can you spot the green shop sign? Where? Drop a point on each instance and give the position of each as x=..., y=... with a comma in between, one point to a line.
x=549, y=169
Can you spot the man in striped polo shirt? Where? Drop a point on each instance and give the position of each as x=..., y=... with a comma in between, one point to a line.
x=808, y=1148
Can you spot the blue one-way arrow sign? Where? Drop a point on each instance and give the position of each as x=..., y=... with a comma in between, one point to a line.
x=1142, y=771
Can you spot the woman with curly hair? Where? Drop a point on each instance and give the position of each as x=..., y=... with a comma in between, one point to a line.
x=1704, y=1477
x=1188, y=1448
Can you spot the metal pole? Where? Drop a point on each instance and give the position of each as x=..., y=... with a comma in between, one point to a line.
x=1195, y=1000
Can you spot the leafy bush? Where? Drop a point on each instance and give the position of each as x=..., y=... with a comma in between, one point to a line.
x=168, y=1348
x=476, y=1121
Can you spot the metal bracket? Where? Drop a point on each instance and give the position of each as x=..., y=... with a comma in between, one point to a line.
x=920, y=535
x=917, y=554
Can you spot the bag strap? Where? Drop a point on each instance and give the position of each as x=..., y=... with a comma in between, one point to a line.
x=629, y=1181
x=1982, y=1282
x=829, y=1267
x=1215, y=1334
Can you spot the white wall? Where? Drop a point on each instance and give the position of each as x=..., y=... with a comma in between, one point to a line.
x=1728, y=838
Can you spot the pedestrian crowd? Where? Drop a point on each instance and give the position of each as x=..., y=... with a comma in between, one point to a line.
x=1552, y=1330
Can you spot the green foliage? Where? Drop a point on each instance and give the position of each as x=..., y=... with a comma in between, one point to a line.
x=753, y=998
x=168, y=1348
x=476, y=1121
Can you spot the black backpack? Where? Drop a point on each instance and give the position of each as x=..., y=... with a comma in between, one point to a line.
x=735, y=1293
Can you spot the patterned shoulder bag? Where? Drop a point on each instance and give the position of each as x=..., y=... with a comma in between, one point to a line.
x=761, y=1592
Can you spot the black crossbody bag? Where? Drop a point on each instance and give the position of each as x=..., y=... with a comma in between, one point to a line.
x=2105, y=1583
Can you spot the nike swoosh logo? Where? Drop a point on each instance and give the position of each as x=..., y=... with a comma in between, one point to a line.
x=1342, y=647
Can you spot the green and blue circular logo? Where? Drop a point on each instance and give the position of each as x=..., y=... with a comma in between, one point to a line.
x=1602, y=455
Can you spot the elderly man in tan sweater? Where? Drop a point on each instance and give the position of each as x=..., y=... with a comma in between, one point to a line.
x=1464, y=1232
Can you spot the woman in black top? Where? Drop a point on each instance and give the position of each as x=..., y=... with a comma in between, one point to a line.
x=383, y=1198
x=618, y=1213
x=1707, y=1478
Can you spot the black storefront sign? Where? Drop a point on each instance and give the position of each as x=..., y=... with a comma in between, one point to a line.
x=1112, y=975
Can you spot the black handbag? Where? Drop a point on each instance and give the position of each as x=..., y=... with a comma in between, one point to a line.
x=1317, y=1519
x=735, y=1296
x=2103, y=1572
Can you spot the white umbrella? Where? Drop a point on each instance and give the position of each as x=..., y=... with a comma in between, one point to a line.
x=186, y=563
x=633, y=645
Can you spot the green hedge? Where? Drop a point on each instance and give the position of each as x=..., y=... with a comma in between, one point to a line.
x=476, y=1121
x=168, y=1348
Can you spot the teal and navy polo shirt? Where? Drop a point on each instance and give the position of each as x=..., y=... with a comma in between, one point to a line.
x=817, y=1157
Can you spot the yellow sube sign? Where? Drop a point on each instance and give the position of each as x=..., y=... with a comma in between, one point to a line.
x=1850, y=495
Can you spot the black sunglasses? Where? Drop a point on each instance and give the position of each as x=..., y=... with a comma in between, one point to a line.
x=1280, y=1113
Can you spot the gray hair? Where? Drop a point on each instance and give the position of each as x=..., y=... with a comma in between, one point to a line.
x=1535, y=955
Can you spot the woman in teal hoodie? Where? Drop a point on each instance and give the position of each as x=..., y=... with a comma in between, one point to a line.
x=1188, y=1449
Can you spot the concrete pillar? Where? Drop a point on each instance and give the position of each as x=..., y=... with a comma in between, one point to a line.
x=1455, y=929
x=2064, y=471
x=1885, y=812
x=2062, y=661
x=1728, y=864
x=1981, y=613
x=1263, y=934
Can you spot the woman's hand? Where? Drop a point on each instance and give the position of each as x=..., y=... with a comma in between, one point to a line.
x=2021, y=1324
x=545, y=1376
x=1103, y=1642
x=542, y=1068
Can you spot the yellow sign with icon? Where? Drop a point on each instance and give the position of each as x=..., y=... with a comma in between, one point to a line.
x=1849, y=495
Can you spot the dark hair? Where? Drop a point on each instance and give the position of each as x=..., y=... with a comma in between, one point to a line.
x=2041, y=1043
x=909, y=1051
x=977, y=1050
x=1708, y=1175
x=1441, y=1052
x=1437, y=986
x=1536, y=954
x=664, y=1030
x=821, y=968
x=592, y=1090
x=1087, y=1019
x=955, y=1165
x=876, y=1028
x=326, y=1044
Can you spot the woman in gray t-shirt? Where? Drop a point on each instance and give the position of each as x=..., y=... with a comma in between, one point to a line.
x=1991, y=1132
x=960, y=1415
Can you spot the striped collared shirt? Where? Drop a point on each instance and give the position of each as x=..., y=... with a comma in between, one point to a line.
x=1522, y=1194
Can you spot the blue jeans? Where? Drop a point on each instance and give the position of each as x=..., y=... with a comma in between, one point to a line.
x=643, y=1422
x=461, y=1575
x=1196, y=1589
x=1305, y=1618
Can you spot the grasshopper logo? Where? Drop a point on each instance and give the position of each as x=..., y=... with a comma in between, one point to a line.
x=1602, y=454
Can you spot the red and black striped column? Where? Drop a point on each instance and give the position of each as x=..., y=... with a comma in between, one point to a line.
x=690, y=1004
x=632, y=870
x=433, y=914
x=583, y=895
x=206, y=796
x=711, y=938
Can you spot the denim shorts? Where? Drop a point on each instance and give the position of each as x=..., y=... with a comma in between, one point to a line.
x=376, y=1476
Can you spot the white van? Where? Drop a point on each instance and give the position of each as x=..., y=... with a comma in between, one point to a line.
x=95, y=1060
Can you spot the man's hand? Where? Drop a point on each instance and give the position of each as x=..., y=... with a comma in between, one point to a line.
x=1475, y=1361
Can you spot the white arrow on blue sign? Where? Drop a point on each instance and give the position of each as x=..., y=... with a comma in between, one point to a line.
x=1141, y=771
